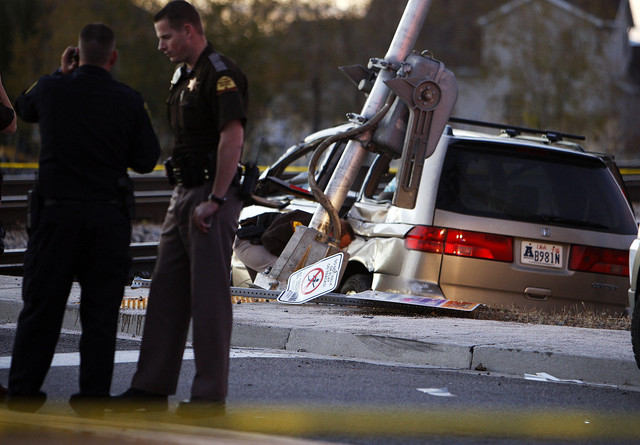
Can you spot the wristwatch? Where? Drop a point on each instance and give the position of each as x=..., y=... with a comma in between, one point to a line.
x=217, y=200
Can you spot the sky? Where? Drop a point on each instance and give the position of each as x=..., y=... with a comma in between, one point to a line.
x=635, y=9
x=633, y=35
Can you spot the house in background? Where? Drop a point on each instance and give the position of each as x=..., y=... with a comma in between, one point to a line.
x=558, y=64
x=565, y=65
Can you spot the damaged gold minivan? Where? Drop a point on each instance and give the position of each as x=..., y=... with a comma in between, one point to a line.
x=520, y=218
x=504, y=220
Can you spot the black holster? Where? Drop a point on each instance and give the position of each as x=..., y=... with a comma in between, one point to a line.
x=251, y=172
x=168, y=169
x=34, y=207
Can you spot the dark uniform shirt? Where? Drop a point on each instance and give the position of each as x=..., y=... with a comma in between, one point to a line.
x=92, y=128
x=203, y=100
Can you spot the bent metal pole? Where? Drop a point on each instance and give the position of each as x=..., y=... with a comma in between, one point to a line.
x=354, y=154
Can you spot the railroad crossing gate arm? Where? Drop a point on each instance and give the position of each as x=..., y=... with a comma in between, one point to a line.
x=430, y=96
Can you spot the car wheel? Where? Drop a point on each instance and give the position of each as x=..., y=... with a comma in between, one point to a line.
x=357, y=283
x=635, y=332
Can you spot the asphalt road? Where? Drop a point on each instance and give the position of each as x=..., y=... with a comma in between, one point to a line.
x=343, y=401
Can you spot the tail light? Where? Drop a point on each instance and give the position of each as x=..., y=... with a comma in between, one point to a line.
x=599, y=260
x=460, y=243
x=426, y=239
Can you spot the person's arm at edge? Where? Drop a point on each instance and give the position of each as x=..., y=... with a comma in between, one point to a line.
x=4, y=99
x=27, y=104
x=145, y=148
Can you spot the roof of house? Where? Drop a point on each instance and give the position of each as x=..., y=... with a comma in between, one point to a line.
x=452, y=28
x=599, y=13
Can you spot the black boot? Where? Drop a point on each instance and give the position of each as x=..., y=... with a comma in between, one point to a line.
x=29, y=403
x=139, y=400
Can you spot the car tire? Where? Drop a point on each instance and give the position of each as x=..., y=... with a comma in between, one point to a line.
x=357, y=283
x=635, y=332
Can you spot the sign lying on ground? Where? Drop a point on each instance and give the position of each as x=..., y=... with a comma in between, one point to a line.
x=415, y=300
x=313, y=281
x=320, y=278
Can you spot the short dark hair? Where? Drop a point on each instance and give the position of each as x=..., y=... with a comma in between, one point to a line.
x=179, y=12
x=97, y=41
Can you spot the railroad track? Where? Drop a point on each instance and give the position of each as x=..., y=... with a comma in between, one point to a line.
x=143, y=259
x=151, y=192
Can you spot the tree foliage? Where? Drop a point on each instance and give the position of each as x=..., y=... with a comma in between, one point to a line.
x=289, y=50
x=57, y=25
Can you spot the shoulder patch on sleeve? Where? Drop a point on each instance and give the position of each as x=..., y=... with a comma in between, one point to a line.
x=225, y=83
x=31, y=87
x=217, y=62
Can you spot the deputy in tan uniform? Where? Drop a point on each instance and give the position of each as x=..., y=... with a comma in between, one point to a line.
x=207, y=109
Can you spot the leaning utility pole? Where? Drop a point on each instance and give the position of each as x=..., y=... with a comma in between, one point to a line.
x=354, y=154
x=417, y=85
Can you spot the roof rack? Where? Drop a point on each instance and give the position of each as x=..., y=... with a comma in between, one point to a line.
x=513, y=131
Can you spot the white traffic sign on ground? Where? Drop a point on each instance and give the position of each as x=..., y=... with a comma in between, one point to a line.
x=312, y=281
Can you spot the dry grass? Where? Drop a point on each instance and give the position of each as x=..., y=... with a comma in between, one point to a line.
x=575, y=316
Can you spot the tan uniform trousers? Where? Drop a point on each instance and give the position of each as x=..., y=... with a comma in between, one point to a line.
x=190, y=282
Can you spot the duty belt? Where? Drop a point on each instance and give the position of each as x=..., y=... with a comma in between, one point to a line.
x=190, y=174
x=190, y=170
x=55, y=202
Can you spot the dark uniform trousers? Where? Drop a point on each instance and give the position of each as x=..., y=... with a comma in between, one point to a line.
x=191, y=280
x=89, y=241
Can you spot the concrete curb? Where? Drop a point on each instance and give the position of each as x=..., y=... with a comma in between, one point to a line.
x=488, y=358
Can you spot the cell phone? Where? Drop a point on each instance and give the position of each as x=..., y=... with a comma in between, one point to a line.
x=74, y=56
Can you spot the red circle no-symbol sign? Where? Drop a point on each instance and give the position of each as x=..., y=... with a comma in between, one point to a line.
x=312, y=280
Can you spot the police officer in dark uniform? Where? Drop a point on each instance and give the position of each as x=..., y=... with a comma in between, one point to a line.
x=7, y=126
x=92, y=129
x=207, y=110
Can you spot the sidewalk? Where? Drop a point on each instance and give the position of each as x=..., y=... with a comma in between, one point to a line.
x=588, y=355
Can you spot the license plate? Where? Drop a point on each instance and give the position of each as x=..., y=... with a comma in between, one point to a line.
x=541, y=254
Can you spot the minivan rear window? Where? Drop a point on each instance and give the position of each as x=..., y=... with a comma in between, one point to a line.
x=521, y=183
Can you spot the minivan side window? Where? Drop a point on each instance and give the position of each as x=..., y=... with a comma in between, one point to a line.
x=522, y=183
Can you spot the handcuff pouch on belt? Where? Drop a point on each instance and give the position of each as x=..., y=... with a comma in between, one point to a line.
x=190, y=170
